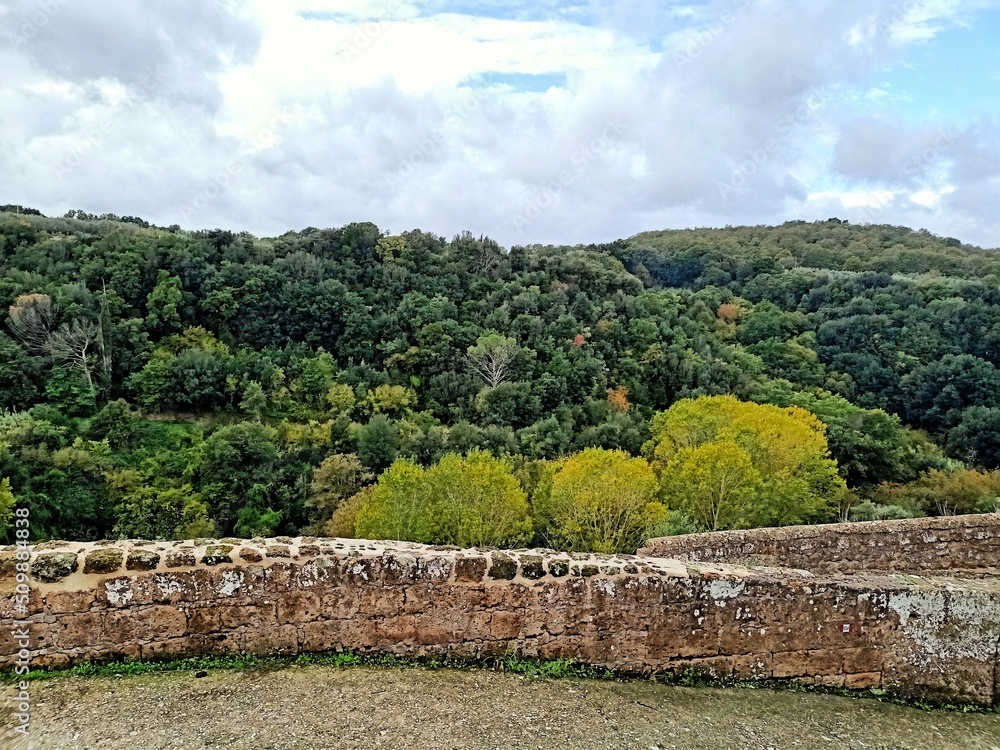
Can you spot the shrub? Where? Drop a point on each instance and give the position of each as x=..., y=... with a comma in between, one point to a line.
x=601, y=501
x=469, y=501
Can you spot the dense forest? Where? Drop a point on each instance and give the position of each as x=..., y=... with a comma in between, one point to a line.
x=162, y=383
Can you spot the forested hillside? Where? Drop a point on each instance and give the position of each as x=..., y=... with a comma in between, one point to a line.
x=162, y=383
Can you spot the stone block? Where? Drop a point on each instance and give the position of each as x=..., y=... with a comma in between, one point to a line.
x=298, y=607
x=103, y=560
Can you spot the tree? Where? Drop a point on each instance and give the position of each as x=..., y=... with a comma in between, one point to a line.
x=976, y=439
x=492, y=356
x=114, y=423
x=937, y=393
x=339, y=477
x=733, y=464
x=713, y=484
x=312, y=385
x=7, y=504
x=254, y=400
x=340, y=398
x=157, y=511
x=945, y=493
x=378, y=443
x=163, y=305
x=31, y=318
x=18, y=376
x=508, y=405
x=869, y=446
x=343, y=523
x=468, y=501
x=388, y=399
x=484, y=505
x=599, y=501
x=400, y=507
x=237, y=470
x=72, y=346
x=618, y=398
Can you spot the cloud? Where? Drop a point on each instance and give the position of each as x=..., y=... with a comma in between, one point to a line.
x=185, y=43
x=550, y=122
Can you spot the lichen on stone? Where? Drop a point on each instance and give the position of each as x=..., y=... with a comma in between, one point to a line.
x=50, y=567
x=217, y=554
x=141, y=559
x=8, y=564
x=250, y=554
x=183, y=558
x=504, y=567
x=559, y=568
x=532, y=567
x=103, y=561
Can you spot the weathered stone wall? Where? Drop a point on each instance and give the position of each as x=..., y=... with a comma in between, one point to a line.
x=959, y=545
x=920, y=637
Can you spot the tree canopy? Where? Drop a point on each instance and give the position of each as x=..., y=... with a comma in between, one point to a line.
x=157, y=381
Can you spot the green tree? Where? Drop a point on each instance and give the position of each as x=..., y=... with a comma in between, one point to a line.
x=339, y=477
x=18, y=376
x=237, y=470
x=869, y=446
x=484, y=505
x=976, y=438
x=340, y=398
x=114, y=423
x=599, y=501
x=378, y=443
x=254, y=400
x=150, y=511
x=389, y=399
x=7, y=504
x=163, y=305
x=714, y=483
x=312, y=385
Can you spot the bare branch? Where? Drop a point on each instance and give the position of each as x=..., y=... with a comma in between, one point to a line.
x=492, y=356
x=72, y=346
x=31, y=318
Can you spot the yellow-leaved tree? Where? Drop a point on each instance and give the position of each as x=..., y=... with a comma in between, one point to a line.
x=730, y=464
x=470, y=501
x=599, y=501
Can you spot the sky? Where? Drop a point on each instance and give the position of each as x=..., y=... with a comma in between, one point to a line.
x=531, y=121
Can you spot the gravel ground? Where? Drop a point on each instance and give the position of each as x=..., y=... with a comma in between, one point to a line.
x=362, y=707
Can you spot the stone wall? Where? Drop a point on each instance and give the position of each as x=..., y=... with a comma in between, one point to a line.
x=968, y=546
x=932, y=638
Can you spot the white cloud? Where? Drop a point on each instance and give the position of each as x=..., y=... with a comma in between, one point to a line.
x=413, y=114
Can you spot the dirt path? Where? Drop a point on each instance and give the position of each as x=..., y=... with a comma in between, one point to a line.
x=312, y=708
